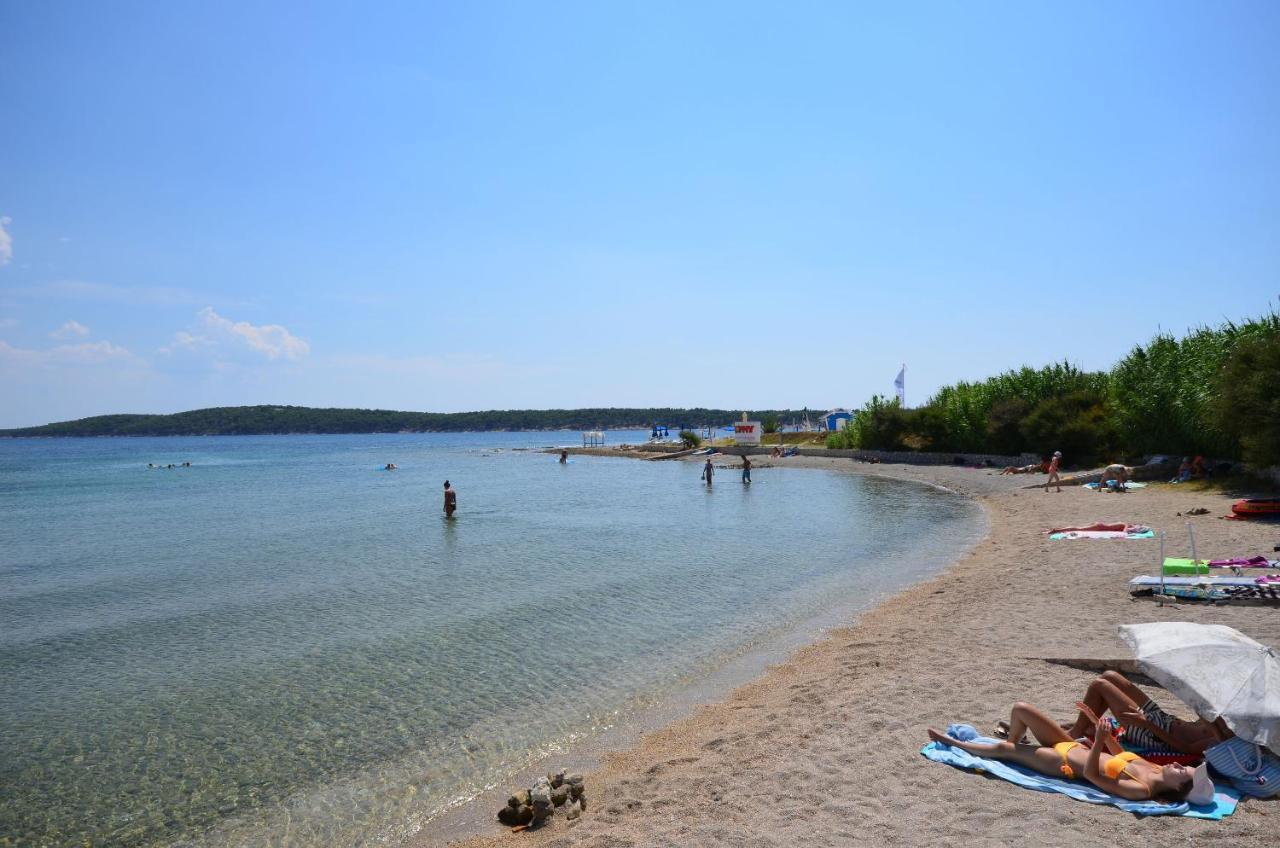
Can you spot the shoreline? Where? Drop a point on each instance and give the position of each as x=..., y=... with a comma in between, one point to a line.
x=823, y=747
x=473, y=819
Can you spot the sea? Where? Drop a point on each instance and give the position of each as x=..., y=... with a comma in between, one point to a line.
x=284, y=643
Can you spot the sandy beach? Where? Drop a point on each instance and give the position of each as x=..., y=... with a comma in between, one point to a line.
x=824, y=748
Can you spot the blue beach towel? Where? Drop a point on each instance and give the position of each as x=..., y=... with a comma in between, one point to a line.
x=1224, y=800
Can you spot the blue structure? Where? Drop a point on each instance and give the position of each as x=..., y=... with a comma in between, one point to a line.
x=836, y=419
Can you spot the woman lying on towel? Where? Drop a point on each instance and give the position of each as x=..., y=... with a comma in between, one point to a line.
x=1118, y=772
x=1102, y=526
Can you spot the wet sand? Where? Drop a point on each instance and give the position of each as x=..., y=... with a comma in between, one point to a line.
x=824, y=748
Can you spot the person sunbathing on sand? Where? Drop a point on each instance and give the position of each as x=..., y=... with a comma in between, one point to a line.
x=1022, y=469
x=1101, y=526
x=1120, y=773
x=1250, y=768
x=1117, y=472
x=1145, y=724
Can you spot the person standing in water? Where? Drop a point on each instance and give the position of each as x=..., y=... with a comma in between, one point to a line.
x=746, y=468
x=450, y=500
x=564, y=457
x=707, y=471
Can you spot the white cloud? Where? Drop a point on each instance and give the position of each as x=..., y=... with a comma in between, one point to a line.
x=80, y=290
x=6, y=240
x=69, y=330
x=218, y=334
x=86, y=353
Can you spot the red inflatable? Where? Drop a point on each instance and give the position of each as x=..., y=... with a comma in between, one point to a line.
x=1255, y=507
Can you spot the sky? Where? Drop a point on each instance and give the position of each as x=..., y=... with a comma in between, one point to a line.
x=481, y=205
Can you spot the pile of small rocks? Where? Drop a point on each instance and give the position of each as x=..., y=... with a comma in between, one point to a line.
x=533, y=806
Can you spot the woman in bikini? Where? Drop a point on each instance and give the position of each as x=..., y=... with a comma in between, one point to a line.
x=1118, y=772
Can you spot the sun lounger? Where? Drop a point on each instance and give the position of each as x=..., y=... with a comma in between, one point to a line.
x=1181, y=565
x=1208, y=588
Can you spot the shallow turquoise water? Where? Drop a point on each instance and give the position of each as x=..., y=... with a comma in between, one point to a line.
x=286, y=644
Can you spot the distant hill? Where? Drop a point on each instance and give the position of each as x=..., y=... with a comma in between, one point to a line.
x=267, y=420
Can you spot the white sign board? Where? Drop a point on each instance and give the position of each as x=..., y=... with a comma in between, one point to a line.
x=747, y=432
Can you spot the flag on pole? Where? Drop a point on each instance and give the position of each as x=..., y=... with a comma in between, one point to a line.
x=901, y=385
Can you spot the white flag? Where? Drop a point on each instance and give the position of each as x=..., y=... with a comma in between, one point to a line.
x=901, y=385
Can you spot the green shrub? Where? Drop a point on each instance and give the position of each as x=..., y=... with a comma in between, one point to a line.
x=1165, y=392
x=1077, y=424
x=881, y=424
x=1247, y=407
x=927, y=428
x=966, y=407
x=769, y=424
x=1004, y=426
x=690, y=439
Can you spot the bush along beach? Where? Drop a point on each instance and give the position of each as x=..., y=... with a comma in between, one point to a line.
x=1214, y=392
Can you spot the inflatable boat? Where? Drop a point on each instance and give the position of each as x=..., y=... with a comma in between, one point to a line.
x=1256, y=507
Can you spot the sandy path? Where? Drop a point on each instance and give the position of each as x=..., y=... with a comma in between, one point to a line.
x=823, y=750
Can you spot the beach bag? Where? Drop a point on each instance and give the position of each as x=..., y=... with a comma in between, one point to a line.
x=1250, y=768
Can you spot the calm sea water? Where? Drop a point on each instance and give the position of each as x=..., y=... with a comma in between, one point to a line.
x=285, y=644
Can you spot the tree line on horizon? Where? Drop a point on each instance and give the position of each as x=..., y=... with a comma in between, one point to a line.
x=1214, y=392
x=279, y=420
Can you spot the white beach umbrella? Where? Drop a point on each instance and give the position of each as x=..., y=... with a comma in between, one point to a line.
x=1215, y=670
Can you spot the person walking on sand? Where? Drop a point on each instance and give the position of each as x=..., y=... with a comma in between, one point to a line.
x=450, y=500
x=746, y=469
x=1054, y=477
x=707, y=471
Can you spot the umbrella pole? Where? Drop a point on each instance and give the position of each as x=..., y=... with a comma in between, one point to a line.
x=1161, y=568
x=1195, y=560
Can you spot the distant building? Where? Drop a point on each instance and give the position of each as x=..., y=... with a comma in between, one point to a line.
x=836, y=419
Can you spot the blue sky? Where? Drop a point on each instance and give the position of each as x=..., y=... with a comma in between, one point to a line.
x=498, y=205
